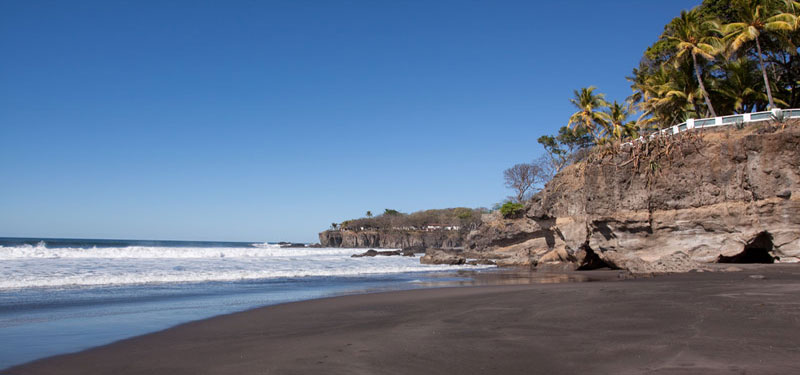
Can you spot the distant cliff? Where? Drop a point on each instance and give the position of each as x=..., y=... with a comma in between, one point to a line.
x=728, y=196
x=439, y=228
x=395, y=239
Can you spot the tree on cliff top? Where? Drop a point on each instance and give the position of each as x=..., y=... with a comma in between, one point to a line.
x=564, y=149
x=760, y=38
x=752, y=19
x=695, y=36
x=589, y=115
x=618, y=125
x=524, y=179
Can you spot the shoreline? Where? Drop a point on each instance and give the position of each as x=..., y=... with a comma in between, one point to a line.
x=680, y=323
x=69, y=320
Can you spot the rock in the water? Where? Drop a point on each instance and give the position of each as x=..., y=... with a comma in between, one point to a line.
x=368, y=253
x=390, y=253
x=441, y=256
x=373, y=252
x=412, y=250
x=291, y=244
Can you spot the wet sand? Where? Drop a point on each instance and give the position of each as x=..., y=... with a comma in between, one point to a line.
x=695, y=323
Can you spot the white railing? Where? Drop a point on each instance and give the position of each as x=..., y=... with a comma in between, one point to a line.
x=712, y=122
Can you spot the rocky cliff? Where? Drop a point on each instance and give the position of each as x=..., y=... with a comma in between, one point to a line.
x=726, y=196
x=392, y=239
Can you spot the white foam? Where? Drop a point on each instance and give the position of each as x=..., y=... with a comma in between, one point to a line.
x=39, y=266
x=264, y=245
x=142, y=252
x=158, y=277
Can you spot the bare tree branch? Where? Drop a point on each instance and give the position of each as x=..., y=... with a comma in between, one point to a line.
x=526, y=178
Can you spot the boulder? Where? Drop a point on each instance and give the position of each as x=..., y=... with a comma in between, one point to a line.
x=373, y=253
x=291, y=244
x=368, y=253
x=441, y=256
x=412, y=250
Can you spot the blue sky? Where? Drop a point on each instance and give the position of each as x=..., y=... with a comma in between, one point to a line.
x=267, y=121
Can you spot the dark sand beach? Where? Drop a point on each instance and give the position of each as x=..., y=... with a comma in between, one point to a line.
x=745, y=322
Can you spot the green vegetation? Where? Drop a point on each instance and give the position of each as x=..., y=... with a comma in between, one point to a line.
x=589, y=116
x=694, y=35
x=756, y=18
x=511, y=209
x=740, y=55
x=460, y=218
x=464, y=213
x=722, y=57
x=566, y=147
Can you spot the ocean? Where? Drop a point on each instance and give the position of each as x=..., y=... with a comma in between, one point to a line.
x=65, y=295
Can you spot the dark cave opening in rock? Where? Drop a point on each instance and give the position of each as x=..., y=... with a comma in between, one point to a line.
x=591, y=261
x=756, y=251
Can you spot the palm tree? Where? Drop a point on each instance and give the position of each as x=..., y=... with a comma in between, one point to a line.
x=589, y=115
x=618, y=124
x=755, y=19
x=638, y=85
x=668, y=96
x=369, y=213
x=792, y=8
x=695, y=36
x=742, y=87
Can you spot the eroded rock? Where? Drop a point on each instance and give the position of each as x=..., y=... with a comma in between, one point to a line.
x=709, y=200
x=392, y=239
x=442, y=256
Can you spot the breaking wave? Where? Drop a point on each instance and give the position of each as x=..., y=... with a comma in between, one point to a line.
x=184, y=275
x=141, y=252
x=38, y=266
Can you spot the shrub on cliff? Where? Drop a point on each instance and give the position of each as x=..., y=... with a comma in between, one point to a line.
x=511, y=209
x=465, y=213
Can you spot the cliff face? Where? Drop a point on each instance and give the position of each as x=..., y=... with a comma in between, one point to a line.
x=393, y=239
x=722, y=196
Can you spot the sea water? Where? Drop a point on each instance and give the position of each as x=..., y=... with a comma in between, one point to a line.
x=62, y=295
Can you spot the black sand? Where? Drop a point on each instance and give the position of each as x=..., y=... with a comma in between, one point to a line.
x=698, y=323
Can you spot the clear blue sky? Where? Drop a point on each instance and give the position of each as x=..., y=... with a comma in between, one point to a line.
x=259, y=120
